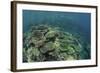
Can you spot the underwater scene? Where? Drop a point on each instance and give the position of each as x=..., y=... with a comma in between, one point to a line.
x=56, y=36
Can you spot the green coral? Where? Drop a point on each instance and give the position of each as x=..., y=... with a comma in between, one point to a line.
x=46, y=43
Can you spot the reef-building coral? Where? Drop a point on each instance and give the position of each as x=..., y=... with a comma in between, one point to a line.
x=46, y=43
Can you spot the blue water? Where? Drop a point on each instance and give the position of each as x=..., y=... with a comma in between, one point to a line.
x=73, y=22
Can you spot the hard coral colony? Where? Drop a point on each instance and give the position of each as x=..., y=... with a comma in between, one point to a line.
x=46, y=43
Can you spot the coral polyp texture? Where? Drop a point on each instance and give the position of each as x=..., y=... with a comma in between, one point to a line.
x=47, y=43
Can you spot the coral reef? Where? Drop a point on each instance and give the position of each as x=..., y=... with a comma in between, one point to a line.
x=46, y=43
